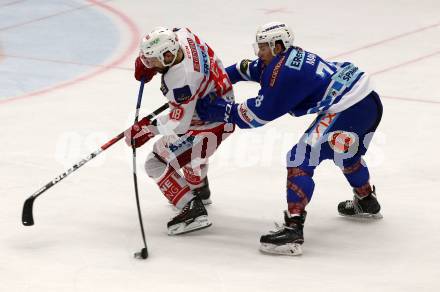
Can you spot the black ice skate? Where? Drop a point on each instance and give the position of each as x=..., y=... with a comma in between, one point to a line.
x=361, y=207
x=192, y=217
x=204, y=193
x=287, y=240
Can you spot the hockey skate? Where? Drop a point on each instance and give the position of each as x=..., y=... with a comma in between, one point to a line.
x=192, y=217
x=204, y=193
x=287, y=239
x=361, y=207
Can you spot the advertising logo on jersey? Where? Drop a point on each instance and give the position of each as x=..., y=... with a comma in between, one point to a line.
x=296, y=59
x=244, y=114
x=188, y=52
x=276, y=71
x=205, y=60
x=194, y=54
x=249, y=117
x=347, y=75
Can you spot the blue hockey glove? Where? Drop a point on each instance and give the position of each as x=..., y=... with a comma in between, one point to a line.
x=211, y=108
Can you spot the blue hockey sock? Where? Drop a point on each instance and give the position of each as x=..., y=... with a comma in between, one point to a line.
x=357, y=174
x=300, y=186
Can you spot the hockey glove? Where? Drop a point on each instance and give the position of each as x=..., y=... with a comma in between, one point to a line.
x=143, y=73
x=212, y=108
x=140, y=133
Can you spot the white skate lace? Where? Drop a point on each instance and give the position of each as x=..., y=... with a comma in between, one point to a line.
x=184, y=210
x=279, y=227
x=351, y=204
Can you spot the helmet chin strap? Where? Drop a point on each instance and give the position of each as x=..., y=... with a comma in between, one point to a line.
x=272, y=48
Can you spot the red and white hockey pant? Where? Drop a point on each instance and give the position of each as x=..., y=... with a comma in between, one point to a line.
x=189, y=152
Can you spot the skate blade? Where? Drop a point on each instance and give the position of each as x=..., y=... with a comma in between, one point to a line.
x=200, y=222
x=291, y=249
x=364, y=216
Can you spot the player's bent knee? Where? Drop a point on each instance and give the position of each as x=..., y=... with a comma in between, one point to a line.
x=154, y=167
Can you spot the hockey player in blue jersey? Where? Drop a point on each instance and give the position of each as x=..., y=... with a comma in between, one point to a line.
x=296, y=82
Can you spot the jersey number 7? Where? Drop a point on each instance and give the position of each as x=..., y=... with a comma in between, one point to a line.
x=324, y=69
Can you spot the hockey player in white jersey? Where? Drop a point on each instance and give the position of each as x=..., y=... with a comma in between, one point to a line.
x=190, y=69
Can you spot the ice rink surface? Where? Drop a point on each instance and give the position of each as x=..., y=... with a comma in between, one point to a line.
x=67, y=86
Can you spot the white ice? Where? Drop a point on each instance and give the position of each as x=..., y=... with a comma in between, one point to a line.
x=86, y=227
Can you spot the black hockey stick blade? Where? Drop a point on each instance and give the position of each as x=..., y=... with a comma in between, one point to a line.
x=27, y=216
x=142, y=255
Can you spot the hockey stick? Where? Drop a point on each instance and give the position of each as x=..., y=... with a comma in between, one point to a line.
x=143, y=254
x=27, y=216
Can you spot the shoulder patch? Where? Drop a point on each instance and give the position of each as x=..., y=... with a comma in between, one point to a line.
x=296, y=59
x=182, y=94
x=195, y=55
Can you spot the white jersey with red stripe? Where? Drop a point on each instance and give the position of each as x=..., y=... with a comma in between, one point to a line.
x=199, y=73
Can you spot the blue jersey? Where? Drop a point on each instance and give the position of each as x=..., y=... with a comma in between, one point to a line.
x=297, y=82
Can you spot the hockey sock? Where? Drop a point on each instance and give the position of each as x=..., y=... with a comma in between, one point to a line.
x=195, y=176
x=170, y=182
x=358, y=177
x=364, y=190
x=300, y=186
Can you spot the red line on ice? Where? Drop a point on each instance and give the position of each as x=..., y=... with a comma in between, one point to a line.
x=133, y=46
x=402, y=65
x=398, y=65
x=405, y=63
x=45, y=17
x=387, y=40
x=63, y=62
x=12, y=3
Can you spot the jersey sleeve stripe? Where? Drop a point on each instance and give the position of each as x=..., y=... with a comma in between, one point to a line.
x=249, y=117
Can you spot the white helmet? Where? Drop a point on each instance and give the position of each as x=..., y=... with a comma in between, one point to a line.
x=272, y=32
x=156, y=43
